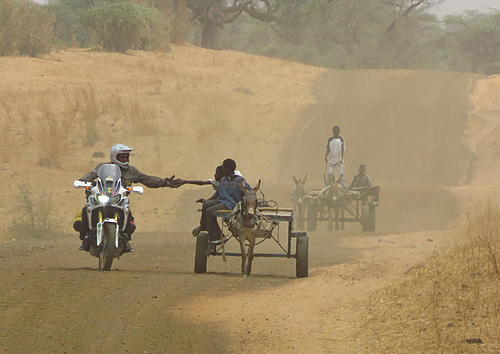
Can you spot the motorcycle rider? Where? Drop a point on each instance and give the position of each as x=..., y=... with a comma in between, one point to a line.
x=120, y=156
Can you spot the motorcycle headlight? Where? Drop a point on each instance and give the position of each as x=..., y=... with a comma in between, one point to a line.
x=103, y=199
x=116, y=199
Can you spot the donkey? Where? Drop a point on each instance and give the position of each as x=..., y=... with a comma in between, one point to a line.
x=334, y=196
x=248, y=227
x=299, y=200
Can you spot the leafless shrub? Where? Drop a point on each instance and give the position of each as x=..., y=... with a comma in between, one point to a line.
x=33, y=216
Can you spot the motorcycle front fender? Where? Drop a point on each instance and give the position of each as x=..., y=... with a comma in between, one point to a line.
x=100, y=231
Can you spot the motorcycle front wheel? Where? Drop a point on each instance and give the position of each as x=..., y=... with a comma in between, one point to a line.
x=108, y=248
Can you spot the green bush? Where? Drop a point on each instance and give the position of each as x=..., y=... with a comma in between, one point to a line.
x=68, y=29
x=126, y=25
x=26, y=28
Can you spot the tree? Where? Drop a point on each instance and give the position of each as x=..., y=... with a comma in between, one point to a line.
x=214, y=14
x=345, y=33
x=476, y=37
x=26, y=28
x=124, y=25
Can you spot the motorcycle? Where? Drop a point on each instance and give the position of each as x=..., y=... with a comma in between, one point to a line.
x=107, y=213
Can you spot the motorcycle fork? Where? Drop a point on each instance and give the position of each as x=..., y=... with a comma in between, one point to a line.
x=100, y=227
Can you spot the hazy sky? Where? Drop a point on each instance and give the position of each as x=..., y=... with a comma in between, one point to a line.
x=449, y=6
x=454, y=6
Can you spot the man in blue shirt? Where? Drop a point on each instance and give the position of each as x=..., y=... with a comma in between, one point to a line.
x=228, y=195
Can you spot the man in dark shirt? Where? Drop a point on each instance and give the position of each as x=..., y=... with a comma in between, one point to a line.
x=228, y=195
x=362, y=183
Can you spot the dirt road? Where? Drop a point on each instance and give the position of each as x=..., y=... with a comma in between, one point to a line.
x=52, y=299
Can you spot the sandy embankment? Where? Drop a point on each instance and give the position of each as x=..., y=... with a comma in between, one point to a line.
x=183, y=111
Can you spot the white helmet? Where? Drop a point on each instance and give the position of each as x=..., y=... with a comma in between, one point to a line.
x=120, y=149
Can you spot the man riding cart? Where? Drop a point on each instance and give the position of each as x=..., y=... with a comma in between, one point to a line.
x=362, y=183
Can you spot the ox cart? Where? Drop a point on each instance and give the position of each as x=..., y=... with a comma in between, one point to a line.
x=336, y=207
x=294, y=245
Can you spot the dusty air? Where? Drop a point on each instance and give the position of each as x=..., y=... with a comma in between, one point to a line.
x=261, y=176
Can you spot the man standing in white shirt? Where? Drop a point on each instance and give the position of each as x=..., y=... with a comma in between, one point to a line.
x=334, y=157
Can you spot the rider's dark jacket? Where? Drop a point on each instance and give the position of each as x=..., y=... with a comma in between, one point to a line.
x=129, y=176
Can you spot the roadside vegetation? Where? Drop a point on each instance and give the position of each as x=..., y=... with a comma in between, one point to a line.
x=33, y=216
x=25, y=28
x=449, y=304
x=339, y=34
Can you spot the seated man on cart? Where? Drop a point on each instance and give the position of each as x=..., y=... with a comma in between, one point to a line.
x=227, y=196
x=362, y=183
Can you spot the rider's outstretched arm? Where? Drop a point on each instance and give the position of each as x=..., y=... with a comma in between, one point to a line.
x=198, y=183
x=150, y=181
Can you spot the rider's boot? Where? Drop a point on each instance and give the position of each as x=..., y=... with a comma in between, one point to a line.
x=196, y=231
x=128, y=246
x=85, y=244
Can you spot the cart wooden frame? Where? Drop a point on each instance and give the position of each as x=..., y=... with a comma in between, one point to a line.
x=300, y=252
x=312, y=210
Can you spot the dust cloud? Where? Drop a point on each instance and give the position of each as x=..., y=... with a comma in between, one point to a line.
x=406, y=126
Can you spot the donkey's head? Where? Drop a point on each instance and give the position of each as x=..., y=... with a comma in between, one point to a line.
x=249, y=204
x=300, y=189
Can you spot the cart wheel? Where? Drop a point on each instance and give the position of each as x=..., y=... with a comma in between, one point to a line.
x=301, y=207
x=200, y=257
x=371, y=219
x=302, y=257
x=368, y=217
x=312, y=216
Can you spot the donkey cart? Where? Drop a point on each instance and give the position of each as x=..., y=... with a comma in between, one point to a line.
x=268, y=226
x=351, y=208
x=334, y=205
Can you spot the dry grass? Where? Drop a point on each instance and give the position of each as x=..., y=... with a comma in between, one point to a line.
x=6, y=126
x=53, y=137
x=34, y=215
x=450, y=304
x=62, y=120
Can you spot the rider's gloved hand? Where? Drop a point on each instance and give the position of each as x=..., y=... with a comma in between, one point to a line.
x=168, y=181
x=173, y=182
x=177, y=182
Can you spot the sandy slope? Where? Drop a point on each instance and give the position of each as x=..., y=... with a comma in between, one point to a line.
x=184, y=111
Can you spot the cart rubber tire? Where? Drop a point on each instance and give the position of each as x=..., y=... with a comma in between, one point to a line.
x=200, y=257
x=301, y=207
x=312, y=217
x=371, y=219
x=368, y=217
x=302, y=257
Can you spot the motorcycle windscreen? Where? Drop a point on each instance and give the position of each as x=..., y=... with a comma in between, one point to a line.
x=110, y=178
